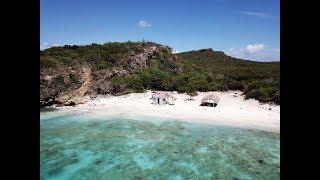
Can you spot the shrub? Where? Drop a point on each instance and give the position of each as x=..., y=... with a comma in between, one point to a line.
x=157, y=79
x=191, y=90
x=74, y=78
x=198, y=81
x=256, y=94
x=58, y=81
x=276, y=98
x=66, y=61
x=134, y=82
x=267, y=94
x=235, y=85
x=48, y=63
x=103, y=65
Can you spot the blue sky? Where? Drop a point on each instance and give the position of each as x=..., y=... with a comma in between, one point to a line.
x=248, y=29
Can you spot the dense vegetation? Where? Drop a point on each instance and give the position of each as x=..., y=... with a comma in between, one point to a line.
x=203, y=70
x=208, y=70
x=101, y=56
x=217, y=71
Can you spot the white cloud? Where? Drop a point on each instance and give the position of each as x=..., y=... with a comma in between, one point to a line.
x=256, y=52
x=175, y=51
x=45, y=45
x=254, y=48
x=143, y=24
x=257, y=14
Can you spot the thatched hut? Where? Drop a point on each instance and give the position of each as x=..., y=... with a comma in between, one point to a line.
x=171, y=99
x=161, y=97
x=210, y=100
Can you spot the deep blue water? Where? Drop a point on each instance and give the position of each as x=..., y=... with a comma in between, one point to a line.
x=84, y=146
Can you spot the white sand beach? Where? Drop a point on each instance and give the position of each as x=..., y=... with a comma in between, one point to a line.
x=232, y=109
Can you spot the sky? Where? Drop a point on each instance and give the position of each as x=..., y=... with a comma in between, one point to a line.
x=247, y=29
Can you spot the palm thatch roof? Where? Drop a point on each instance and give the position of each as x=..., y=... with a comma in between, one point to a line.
x=163, y=94
x=211, y=98
x=159, y=94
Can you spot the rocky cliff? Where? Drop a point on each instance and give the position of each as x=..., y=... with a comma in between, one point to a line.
x=65, y=81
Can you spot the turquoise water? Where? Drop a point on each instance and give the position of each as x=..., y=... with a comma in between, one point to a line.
x=84, y=146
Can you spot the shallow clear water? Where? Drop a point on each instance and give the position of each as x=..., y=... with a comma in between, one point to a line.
x=84, y=146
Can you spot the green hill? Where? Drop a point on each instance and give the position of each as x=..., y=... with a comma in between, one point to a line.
x=70, y=72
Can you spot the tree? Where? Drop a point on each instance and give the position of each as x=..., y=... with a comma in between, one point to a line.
x=191, y=91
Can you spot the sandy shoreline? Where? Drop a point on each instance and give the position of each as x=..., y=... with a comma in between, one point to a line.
x=232, y=109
